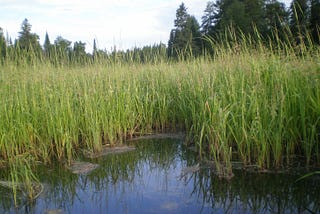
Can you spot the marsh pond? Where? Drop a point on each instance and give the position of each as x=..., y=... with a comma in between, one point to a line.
x=164, y=176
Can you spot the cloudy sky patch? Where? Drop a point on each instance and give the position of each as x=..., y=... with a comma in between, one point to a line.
x=121, y=23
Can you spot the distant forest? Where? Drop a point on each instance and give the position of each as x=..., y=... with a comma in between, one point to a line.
x=223, y=21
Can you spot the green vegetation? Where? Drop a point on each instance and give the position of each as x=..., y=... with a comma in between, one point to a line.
x=260, y=104
x=251, y=99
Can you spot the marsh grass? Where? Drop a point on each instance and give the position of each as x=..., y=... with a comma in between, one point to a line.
x=21, y=180
x=260, y=102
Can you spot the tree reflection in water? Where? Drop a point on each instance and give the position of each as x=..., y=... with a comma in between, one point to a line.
x=149, y=180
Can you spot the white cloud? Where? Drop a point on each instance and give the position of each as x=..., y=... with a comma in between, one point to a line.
x=124, y=23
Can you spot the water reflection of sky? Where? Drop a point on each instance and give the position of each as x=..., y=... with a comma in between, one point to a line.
x=149, y=180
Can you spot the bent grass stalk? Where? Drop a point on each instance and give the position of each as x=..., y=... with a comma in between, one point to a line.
x=260, y=104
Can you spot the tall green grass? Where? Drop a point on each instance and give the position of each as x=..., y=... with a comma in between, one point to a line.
x=251, y=102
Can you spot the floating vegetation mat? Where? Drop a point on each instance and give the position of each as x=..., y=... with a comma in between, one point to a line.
x=37, y=189
x=107, y=150
x=78, y=167
x=189, y=170
x=220, y=171
x=178, y=136
x=56, y=211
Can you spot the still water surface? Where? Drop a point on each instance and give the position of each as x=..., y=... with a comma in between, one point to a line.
x=152, y=179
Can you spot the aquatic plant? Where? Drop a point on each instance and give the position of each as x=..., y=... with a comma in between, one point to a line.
x=257, y=103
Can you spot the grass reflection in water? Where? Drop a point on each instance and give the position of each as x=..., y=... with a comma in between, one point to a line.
x=148, y=180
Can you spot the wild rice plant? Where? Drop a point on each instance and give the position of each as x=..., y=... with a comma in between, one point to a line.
x=258, y=102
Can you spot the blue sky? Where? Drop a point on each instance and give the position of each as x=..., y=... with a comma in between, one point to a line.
x=124, y=23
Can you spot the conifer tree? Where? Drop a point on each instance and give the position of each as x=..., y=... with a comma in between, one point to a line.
x=47, y=45
x=28, y=40
x=277, y=19
x=3, y=45
x=62, y=49
x=79, y=52
x=315, y=21
x=231, y=13
x=185, y=38
x=95, y=50
x=299, y=19
x=208, y=19
x=181, y=17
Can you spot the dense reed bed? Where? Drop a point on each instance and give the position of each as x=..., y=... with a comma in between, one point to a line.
x=255, y=105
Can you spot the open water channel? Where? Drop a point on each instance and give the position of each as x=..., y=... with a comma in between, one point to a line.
x=162, y=176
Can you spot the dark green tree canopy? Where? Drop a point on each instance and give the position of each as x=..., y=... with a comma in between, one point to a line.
x=181, y=17
x=62, y=44
x=28, y=40
x=222, y=21
x=276, y=14
x=245, y=15
x=277, y=19
x=299, y=19
x=47, y=44
x=185, y=38
x=95, y=49
x=79, y=48
x=3, y=45
x=208, y=19
x=195, y=40
x=315, y=21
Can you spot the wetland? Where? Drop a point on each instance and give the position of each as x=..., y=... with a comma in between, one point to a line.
x=160, y=176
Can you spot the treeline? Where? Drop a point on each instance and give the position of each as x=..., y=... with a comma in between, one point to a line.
x=63, y=52
x=256, y=20
x=223, y=21
x=26, y=48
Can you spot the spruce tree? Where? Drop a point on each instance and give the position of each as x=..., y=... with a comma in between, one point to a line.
x=195, y=40
x=95, y=50
x=181, y=17
x=231, y=13
x=255, y=13
x=27, y=40
x=277, y=18
x=79, y=51
x=62, y=49
x=299, y=20
x=3, y=45
x=185, y=38
x=171, y=52
x=208, y=19
x=47, y=45
x=315, y=21
x=62, y=45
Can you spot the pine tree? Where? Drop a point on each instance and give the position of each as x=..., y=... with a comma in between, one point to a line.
x=208, y=26
x=315, y=21
x=181, y=17
x=27, y=40
x=277, y=18
x=185, y=38
x=3, y=45
x=47, y=45
x=248, y=16
x=171, y=52
x=79, y=51
x=195, y=40
x=299, y=19
x=231, y=13
x=255, y=13
x=62, y=44
x=208, y=19
x=62, y=48
x=95, y=50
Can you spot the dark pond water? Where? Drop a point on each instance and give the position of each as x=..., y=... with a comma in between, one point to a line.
x=151, y=180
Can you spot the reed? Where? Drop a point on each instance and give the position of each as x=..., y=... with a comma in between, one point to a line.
x=257, y=101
